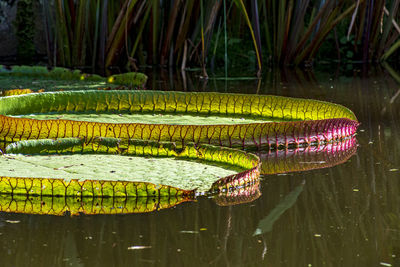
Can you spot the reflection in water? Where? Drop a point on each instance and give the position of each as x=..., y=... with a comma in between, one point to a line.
x=45, y=205
x=284, y=161
x=308, y=158
x=346, y=215
x=265, y=225
x=242, y=195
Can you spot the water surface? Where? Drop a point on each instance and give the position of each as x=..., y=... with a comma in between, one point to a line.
x=346, y=215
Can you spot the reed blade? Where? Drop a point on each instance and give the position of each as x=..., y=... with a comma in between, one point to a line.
x=242, y=8
x=118, y=35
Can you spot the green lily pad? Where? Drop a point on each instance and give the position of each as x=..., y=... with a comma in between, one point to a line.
x=203, y=168
x=38, y=83
x=157, y=118
x=184, y=174
x=39, y=77
x=179, y=131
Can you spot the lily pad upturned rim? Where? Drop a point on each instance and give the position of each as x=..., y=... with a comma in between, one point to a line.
x=310, y=121
x=101, y=188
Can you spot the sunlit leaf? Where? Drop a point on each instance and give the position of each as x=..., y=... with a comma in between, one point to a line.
x=88, y=185
x=281, y=123
x=304, y=121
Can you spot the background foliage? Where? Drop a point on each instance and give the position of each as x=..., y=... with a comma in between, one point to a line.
x=213, y=33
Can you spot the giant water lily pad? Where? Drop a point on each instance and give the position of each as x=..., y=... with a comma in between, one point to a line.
x=10, y=83
x=57, y=161
x=302, y=122
x=40, y=78
x=168, y=127
x=184, y=174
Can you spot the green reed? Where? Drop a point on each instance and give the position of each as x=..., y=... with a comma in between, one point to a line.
x=130, y=33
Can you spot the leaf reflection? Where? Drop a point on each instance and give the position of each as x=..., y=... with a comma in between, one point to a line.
x=265, y=225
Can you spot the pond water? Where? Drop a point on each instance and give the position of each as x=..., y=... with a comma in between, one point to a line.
x=345, y=215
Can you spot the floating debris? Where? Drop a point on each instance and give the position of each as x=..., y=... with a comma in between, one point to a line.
x=12, y=221
x=138, y=247
x=312, y=162
x=188, y=232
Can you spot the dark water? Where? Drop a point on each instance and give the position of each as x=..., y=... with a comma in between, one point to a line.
x=346, y=215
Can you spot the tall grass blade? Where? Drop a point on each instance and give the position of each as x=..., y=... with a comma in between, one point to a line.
x=353, y=19
x=170, y=29
x=225, y=43
x=48, y=22
x=256, y=23
x=78, y=42
x=96, y=35
x=331, y=21
x=118, y=34
x=308, y=33
x=155, y=30
x=242, y=8
x=390, y=23
x=184, y=25
x=287, y=26
x=139, y=34
x=391, y=50
x=62, y=34
x=202, y=40
x=103, y=36
x=296, y=28
x=266, y=28
x=211, y=14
